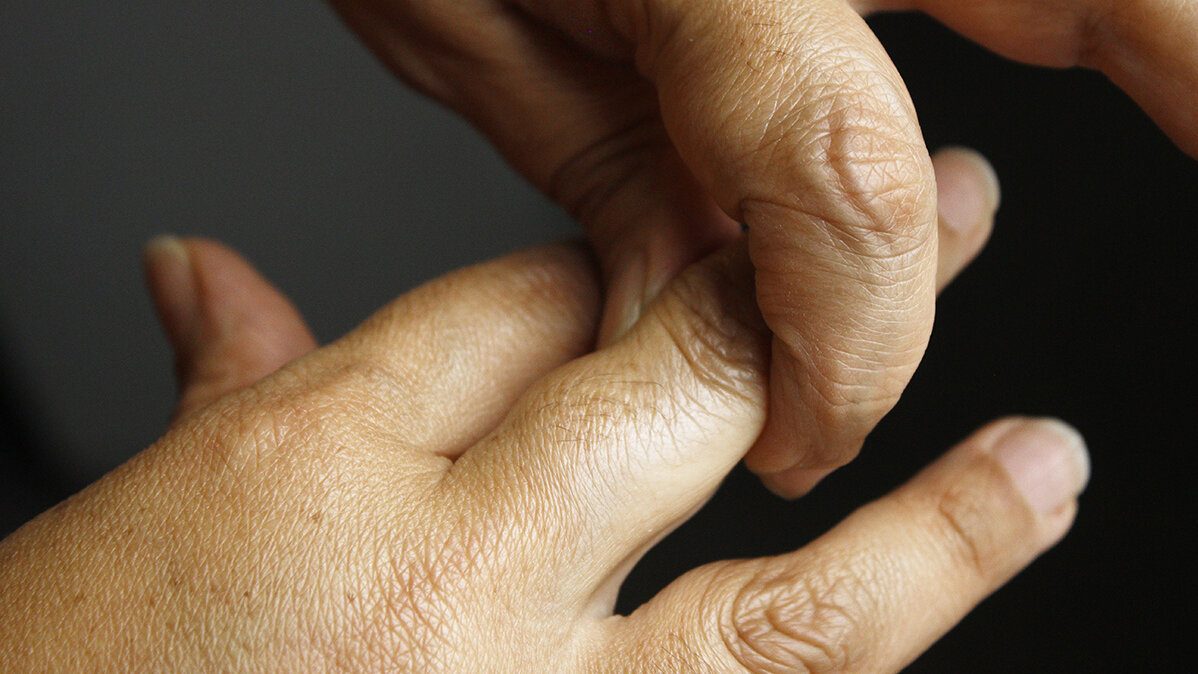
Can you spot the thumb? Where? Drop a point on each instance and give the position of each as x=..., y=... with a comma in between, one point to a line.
x=228, y=326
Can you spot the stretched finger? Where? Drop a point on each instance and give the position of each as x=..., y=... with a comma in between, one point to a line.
x=228, y=326
x=881, y=587
x=1149, y=48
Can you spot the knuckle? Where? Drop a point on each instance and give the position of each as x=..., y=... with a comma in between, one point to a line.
x=966, y=529
x=583, y=408
x=340, y=403
x=711, y=322
x=851, y=161
x=880, y=179
x=577, y=410
x=794, y=622
x=241, y=437
x=292, y=425
x=872, y=155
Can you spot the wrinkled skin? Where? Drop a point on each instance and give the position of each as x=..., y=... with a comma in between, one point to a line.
x=455, y=486
x=460, y=485
x=662, y=123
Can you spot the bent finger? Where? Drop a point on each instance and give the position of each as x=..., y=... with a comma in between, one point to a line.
x=882, y=586
x=968, y=196
x=829, y=171
x=794, y=120
x=228, y=326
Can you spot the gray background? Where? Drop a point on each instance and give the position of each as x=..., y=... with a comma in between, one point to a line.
x=263, y=125
x=268, y=127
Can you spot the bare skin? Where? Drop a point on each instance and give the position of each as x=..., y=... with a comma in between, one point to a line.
x=461, y=485
x=455, y=486
x=663, y=123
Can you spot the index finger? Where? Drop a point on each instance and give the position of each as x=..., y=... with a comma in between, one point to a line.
x=795, y=120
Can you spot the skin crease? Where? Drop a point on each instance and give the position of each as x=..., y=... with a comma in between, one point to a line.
x=318, y=518
x=425, y=495
x=662, y=123
x=836, y=189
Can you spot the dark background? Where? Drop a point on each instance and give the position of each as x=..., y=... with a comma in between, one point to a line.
x=265, y=125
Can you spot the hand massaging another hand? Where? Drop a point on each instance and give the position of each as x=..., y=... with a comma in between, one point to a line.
x=662, y=123
x=454, y=486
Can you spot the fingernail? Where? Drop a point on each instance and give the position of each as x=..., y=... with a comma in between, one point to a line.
x=169, y=273
x=166, y=247
x=968, y=187
x=1047, y=461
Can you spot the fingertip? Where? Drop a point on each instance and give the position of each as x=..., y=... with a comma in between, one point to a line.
x=227, y=325
x=163, y=247
x=1029, y=470
x=970, y=189
x=170, y=278
x=794, y=482
x=807, y=436
x=969, y=196
x=1047, y=461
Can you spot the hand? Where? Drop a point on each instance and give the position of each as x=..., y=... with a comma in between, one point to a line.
x=1149, y=48
x=662, y=123
x=449, y=488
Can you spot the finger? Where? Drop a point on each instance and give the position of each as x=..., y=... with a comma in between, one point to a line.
x=790, y=116
x=437, y=369
x=968, y=197
x=881, y=587
x=793, y=118
x=229, y=327
x=621, y=445
x=1148, y=48
x=646, y=254
x=585, y=131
